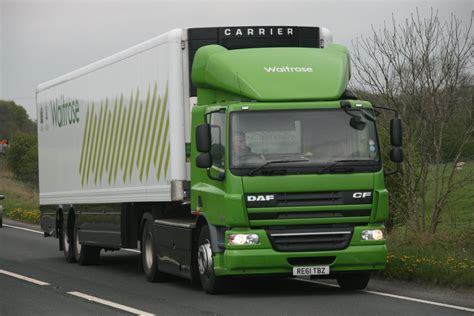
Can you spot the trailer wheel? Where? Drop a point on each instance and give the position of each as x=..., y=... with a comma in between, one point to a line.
x=353, y=281
x=85, y=254
x=149, y=257
x=68, y=246
x=210, y=282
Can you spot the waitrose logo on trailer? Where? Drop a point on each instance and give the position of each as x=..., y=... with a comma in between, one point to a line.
x=64, y=113
x=288, y=69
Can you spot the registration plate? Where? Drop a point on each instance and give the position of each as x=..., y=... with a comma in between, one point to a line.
x=314, y=270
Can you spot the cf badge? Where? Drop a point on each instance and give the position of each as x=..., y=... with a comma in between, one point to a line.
x=361, y=195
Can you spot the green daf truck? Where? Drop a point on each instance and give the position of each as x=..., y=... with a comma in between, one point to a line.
x=235, y=151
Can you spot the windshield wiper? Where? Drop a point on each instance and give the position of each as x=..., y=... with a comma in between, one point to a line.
x=337, y=162
x=253, y=171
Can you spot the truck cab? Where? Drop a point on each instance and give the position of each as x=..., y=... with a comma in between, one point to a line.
x=287, y=173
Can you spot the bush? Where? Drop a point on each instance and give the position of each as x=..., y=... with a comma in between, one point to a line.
x=22, y=157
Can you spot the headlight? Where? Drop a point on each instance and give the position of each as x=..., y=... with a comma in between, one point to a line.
x=373, y=234
x=243, y=239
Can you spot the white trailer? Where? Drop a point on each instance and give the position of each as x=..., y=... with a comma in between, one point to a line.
x=105, y=130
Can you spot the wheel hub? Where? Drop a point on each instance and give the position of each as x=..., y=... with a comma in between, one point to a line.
x=148, y=251
x=78, y=244
x=65, y=241
x=205, y=258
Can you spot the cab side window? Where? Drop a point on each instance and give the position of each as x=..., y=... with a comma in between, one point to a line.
x=218, y=133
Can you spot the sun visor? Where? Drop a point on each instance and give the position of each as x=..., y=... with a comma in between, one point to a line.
x=274, y=74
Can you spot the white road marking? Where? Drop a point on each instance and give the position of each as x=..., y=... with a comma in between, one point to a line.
x=131, y=250
x=22, y=228
x=22, y=277
x=40, y=232
x=317, y=282
x=400, y=297
x=109, y=303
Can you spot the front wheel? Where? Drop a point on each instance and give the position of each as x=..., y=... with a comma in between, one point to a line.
x=353, y=281
x=210, y=282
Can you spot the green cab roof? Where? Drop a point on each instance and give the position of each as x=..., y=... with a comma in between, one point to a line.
x=274, y=74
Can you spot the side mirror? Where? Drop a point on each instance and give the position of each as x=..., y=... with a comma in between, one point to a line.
x=396, y=154
x=203, y=138
x=204, y=160
x=396, y=132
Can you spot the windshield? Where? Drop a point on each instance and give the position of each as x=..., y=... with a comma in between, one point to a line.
x=304, y=138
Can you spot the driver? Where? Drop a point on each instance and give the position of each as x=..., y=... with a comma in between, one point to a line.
x=242, y=152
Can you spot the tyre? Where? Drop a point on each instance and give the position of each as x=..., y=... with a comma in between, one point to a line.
x=210, y=282
x=68, y=245
x=85, y=254
x=149, y=256
x=353, y=281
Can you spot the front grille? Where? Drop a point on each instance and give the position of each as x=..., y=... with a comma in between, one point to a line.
x=318, y=238
x=308, y=214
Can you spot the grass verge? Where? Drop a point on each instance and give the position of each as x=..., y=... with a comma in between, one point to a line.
x=21, y=200
x=446, y=259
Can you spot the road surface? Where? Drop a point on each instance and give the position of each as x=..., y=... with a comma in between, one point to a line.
x=36, y=280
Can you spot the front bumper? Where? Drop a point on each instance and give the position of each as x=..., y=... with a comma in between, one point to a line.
x=263, y=259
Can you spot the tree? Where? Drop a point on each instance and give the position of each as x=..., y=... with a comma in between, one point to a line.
x=13, y=118
x=423, y=69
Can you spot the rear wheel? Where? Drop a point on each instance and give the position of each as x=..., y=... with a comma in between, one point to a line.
x=149, y=256
x=68, y=246
x=85, y=254
x=353, y=281
x=210, y=282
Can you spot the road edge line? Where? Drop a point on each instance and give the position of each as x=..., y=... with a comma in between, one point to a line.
x=407, y=298
x=22, y=228
x=401, y=297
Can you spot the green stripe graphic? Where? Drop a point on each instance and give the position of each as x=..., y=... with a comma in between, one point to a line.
x=114, y=148
x=147, y=143
x=109, y=142
x=160, y=129
x=126, y=132
x=112, y=136
x=168, y=154
x=94, y=121
x=162, y=154
x=142, y=136
x=99, y=172
x=131, y=136
x=84, y=137
x=139, y=124
x=127, y=135
x=96, y=139
x=120, y=142
x=153, y=138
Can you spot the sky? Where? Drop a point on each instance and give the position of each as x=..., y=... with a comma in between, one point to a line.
x=43, y=39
